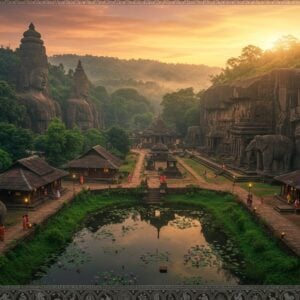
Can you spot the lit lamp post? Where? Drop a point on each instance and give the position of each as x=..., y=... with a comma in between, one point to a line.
x=249, y=194
x=26, y=225
x=74, y=177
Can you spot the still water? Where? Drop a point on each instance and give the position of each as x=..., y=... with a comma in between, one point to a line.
x=135, y=245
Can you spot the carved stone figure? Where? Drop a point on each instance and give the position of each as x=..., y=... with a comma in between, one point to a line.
x=270, y=150
x=193, y=136
x=80, y=111
x=3, y=212
x=32, y=82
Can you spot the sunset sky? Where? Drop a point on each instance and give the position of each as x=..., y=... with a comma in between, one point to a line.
x=180, y=34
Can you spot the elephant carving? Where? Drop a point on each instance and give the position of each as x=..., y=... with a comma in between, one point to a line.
x=272, y=153
x=193, y=136
x=3, y=212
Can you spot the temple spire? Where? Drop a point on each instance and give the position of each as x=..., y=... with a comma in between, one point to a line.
x=31, y=26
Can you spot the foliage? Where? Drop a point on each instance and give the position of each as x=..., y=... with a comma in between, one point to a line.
x=93, y=137
x=254, y=61
x=150, y=78
x=60, y=84
x=181, y=109
x=11, y=111
x=51, y=237
x=118, y=139
x=129, y=164
x=142, y=121
x=266, y=262
x=15, y=141
x=123, y=107
x=60, y=144
x=5, y=160
x=9, y=65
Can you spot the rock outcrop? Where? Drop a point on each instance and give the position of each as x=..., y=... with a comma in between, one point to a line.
x=233, y=114
x=33, y=82
x=82, y=112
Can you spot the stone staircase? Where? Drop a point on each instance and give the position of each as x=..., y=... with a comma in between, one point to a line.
x=153, y=196
x=229, y=174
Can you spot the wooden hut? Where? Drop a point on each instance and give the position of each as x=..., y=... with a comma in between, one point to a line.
x=30, y=181
x=290, y=185
x=96, y=164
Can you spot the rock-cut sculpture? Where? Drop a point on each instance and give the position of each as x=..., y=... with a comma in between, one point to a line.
x=271, y=153
x=33, y=82
x=80, y=110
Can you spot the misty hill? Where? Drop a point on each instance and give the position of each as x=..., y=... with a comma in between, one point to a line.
x=151, y=78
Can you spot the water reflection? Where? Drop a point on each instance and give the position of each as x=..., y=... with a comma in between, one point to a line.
x=134, y=245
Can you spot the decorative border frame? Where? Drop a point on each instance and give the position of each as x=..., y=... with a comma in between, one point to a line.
x=150, y=292
x=144, y=292
x=153, y=2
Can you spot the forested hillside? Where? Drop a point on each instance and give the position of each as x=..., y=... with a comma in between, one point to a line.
x=151, y=78
x=254, y=61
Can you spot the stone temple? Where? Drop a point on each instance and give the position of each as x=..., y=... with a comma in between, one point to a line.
x=254, y=124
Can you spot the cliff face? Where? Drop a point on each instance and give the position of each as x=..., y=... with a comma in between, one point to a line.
x=232, y=114
x=33, y=90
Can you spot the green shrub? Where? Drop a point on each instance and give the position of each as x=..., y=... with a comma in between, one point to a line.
x=55, y=237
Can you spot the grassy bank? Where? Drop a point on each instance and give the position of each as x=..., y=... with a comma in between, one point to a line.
x=266, y=262
x=200, y=169
x=129, y=164
x=19, y=265
x=258, y=189
x=262, y=189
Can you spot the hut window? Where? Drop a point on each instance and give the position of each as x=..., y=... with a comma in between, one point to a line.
x=105, y=170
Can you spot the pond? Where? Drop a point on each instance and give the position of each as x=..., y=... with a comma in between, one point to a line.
x=146, y=245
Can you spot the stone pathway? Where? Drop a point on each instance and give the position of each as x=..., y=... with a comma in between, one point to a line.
x=43, y=212
x=276, y=222
x=49, y=208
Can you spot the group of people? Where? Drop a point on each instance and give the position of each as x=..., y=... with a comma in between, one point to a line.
x=296, y=202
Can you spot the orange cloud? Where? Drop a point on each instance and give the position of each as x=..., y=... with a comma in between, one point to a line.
x=187, y=34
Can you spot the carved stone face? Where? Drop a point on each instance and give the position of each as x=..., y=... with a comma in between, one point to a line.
x=38, y=79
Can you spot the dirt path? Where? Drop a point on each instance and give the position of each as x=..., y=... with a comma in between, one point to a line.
x=275, y=221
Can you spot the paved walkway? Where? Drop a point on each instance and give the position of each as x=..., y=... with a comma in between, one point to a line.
x=43, y=212
x=49, y=208
x=274, y=220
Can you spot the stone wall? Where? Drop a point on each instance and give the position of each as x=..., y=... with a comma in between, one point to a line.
x=233, y=114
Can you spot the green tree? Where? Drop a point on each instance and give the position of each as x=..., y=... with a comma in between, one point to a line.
x=5, y=160
x=142, y=121
x=93, y=137
x=56, y=143
x=124, y=105
x=118, y=139
x=74, y=143
x=15, y=141
x=176, y=106
x=40, y=143
x=60, y=144
x=11, y=111
x=9, y=65
x=250, y=53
